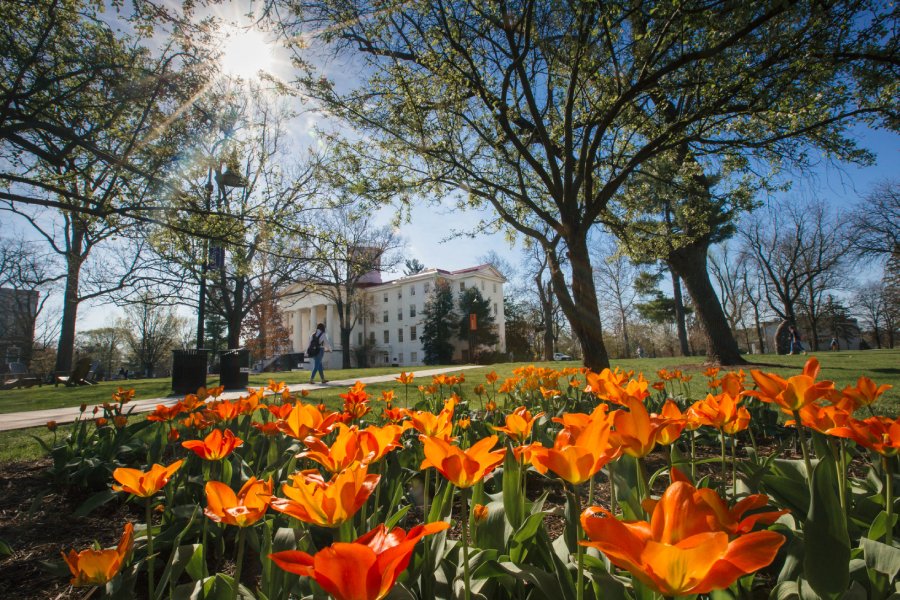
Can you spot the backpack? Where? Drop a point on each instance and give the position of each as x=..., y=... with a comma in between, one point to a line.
x=315, y=344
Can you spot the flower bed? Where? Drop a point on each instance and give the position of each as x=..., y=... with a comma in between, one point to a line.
x=423, y=492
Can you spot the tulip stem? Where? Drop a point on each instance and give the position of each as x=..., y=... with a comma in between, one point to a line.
x=150, y=556
x=734, y=467
x=579, y=554
x=612, y=487
x=803, y=448
x=239, y=563
x=888, y=501
x=724, y=470
x=465, y=534
x=693, y=454
x=425, y=497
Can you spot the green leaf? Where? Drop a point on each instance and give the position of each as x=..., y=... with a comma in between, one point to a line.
x=879, y=526
x=94, y=502
x=881, y=557
x=5, y=549
x=826, y=560
x=524, y=538
x=512, y=500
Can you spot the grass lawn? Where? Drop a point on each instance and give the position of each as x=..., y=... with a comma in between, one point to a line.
x=48, y=396
x=883, y=366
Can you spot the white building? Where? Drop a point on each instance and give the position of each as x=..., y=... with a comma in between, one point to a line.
x=394, y=322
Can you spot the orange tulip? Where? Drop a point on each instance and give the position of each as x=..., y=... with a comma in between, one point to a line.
x=363, y=570
x=480, y=512
x=635, y=432
x=608, y=386
x=492, y=377
x=722, y=412
x=313, y=500
x=680, y=551
x=375, y=442
x=577, y=455
x=464, y=468
x=215, y=446
x=670, y=422
x=881, y=434
x=196, y=421
x=431, y=425
x=96, y=567
x=165, y=413
x=307, y=420
x=405, y=378
x=822, y=418
x=225, y=410
x=519, y=424
x=242, y=509
x=793, y=393
x=865, y=393
x=345, y=451
x=144, y=484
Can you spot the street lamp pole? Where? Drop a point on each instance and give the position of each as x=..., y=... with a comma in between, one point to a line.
x=201, y=310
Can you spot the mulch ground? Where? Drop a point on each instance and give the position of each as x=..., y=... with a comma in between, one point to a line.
x=37, y=524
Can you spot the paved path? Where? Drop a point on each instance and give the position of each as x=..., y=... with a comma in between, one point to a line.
x=39, y=418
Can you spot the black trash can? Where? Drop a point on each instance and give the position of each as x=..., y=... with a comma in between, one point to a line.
x=189, y=370
x=235, y=368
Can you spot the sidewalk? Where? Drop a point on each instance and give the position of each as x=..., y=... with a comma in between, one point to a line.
x=39, y=418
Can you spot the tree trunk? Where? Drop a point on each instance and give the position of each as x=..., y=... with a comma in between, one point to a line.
x=345, y=346
x=545, y=295
x=625, y=341
x=234, y=330
x=689, y=263
x=679, y=313
x=877, y=336
x=65, y=349
x=581, y=307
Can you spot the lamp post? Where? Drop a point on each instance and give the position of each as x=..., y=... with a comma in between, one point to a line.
x=228, y=179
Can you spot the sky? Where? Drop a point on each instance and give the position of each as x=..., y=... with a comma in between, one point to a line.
x=427, y=232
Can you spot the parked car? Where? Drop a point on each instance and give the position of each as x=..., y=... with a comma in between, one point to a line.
x=561, y=356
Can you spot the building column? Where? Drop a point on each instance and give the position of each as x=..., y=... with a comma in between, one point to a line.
x=312, y=321
x=297, y=338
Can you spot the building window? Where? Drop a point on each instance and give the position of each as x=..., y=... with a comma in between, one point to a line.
x=387, y=336
x=412, y=310
x=495, y=288
x=400, y=314
x=412, y=290
x=412, y=334
x=427, y=286
x=414, y=357
x=385, y=319
x=359, y=339
x=482, y=285
x=400, y=335
x=400, y=358
x=385, y=296
x=399, y=292
x=372, y=337
x=495, y=309
x=462, y=286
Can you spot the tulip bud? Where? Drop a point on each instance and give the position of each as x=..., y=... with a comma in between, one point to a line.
x=51, y=425
x=480, y=511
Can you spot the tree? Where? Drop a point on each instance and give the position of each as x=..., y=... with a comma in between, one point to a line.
x=151, y=333
x=413, y=266
x=338, y=261
x=439, y=321
x=519, y=330
x=615, y=276
x=471, y=302
x=799, y=248
x=545, y=110
x=870, y=302
x=873, y=224
x=252, y=218
x=104, y=344
x=264, y=327
x=729, y=272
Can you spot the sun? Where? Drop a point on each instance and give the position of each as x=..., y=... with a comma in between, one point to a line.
x=246, y=52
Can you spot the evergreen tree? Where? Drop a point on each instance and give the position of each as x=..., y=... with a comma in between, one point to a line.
x=472, y=302
x=439, y=321
x=519, y=330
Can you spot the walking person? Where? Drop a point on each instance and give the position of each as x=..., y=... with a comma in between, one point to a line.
x=796, y=344
x=317, y=343
x=834, y=344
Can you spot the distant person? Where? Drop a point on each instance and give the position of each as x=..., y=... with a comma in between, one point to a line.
x=640, y=352
x=796, y=342
x=317, y=342
x=834, y=344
